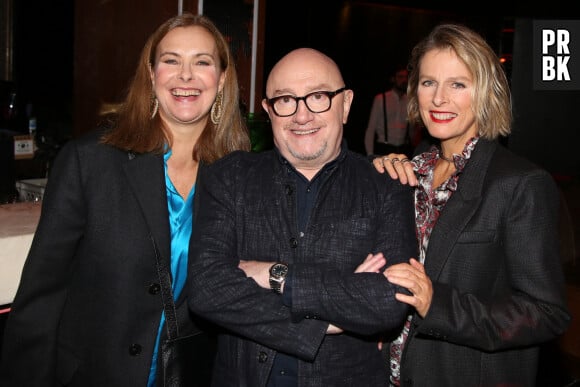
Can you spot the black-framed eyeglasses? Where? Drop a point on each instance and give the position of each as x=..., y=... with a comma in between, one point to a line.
x=316, y=102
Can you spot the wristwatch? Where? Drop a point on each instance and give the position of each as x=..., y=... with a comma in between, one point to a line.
x=278, y=272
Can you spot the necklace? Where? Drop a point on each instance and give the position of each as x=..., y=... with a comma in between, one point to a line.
x=449, y=160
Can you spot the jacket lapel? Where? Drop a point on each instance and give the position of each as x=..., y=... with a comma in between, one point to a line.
x=146, y=178
x=459, y=209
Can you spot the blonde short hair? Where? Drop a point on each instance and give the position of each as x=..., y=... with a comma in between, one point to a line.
x=491, y=98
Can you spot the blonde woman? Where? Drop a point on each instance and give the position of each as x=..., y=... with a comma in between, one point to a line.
x=487, y=287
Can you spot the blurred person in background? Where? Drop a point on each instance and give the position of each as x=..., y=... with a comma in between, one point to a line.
x=388, y=129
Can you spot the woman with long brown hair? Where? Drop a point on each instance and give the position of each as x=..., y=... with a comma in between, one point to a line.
x=119, y=204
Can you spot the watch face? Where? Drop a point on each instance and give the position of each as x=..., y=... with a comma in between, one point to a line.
x=279, y=270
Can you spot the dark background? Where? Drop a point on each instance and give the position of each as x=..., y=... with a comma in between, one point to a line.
x=368, y=39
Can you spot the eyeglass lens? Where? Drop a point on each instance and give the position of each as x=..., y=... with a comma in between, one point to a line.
x=316, y=102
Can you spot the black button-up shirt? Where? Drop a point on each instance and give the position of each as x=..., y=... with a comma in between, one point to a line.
x=285, y=369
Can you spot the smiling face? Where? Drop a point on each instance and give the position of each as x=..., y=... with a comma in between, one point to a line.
x=308, y=140
x=444, y=93
x=186, y=76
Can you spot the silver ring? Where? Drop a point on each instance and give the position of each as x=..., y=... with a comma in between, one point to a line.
x=405, y=161
x=386, y=159
x=395, y=160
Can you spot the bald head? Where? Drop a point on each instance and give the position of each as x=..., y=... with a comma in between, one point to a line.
x=301, y=66
x=311, y=136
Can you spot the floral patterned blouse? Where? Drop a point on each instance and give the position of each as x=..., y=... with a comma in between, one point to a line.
x=429, y=203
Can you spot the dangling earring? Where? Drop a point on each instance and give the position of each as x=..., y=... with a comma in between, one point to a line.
x=216, y=108
x=155, y=106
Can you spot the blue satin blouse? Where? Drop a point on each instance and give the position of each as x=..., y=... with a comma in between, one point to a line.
x=180, y=223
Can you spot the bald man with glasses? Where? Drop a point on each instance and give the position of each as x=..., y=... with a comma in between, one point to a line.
x=289, y=247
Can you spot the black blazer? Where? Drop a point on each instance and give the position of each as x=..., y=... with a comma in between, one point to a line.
x=498, y=284
x=88, y=306
x=249, y=212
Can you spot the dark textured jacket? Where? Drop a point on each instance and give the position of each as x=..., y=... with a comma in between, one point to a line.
x=499, y=290
x=88, y=306
x=249, y=212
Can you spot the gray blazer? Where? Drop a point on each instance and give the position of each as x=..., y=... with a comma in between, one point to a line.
x=499, y=290
x=249, y=212
x=88, y=306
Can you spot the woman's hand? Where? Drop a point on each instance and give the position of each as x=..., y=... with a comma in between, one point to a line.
x=412, y=276
x=398, y=166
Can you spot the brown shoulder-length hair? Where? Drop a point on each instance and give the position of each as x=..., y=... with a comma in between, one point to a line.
x=135, y=130
x=491, y=99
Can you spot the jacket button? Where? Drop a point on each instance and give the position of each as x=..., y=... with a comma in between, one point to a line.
x=263, y=357
x=135, y=349
x=289, y=190
x=154, y=288
x=293, y=243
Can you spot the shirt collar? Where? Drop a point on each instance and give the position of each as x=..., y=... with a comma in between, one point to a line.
x=426, y=160
x=326, y=168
